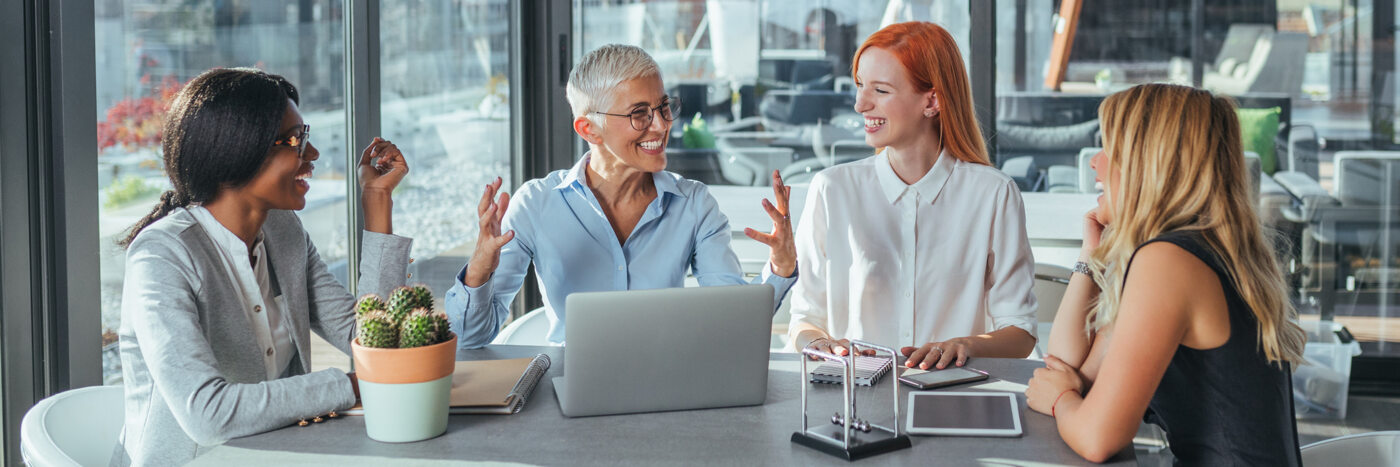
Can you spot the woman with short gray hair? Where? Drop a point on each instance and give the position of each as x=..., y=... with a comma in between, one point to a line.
x=617, y=220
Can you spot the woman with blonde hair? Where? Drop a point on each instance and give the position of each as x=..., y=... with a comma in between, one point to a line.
x=922, y=246
x=1177, y=308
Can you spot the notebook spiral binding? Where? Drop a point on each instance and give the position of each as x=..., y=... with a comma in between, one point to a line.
x=526, y=385
x=868, y=371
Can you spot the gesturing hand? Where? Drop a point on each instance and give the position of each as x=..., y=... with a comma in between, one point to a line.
x=382, y=167
x=489, y=239
x=782, y=252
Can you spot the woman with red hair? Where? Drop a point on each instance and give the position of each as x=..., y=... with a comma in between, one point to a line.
x=923, y=245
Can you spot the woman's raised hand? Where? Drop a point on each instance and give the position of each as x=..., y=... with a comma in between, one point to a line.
x=489, y=239
x=382, y=167
x=782, y=252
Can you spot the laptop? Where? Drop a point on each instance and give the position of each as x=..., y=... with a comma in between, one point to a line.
x=665, y=349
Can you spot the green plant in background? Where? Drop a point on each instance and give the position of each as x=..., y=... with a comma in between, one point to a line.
x=378, y=327
x=1258, y=130
x=696, y=134
x=127, y=189
x=1104, y=78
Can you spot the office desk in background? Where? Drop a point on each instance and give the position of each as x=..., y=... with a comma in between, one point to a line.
x=758, y=435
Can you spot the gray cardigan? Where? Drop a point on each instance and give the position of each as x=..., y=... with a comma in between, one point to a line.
x=193, y=369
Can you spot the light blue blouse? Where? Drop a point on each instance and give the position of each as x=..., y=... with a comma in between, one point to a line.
x=560, y=226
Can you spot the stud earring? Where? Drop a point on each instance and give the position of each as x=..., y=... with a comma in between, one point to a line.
x=928, y=113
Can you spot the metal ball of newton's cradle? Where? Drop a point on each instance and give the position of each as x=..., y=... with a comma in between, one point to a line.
x=856, y=423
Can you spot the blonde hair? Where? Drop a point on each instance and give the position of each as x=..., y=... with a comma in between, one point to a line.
x=1178, y=155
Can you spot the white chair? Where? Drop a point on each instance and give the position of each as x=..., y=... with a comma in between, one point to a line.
x=1049, y=288
x=75, y=427
x=530, y=329
x=1366, y=449
x=1086, y=173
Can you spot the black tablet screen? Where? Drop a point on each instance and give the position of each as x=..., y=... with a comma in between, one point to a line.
x=989, y=412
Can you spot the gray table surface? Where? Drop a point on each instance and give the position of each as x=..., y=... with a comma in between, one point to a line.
x=758, y=435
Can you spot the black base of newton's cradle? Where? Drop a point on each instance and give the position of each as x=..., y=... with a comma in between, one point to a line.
x=859, y=449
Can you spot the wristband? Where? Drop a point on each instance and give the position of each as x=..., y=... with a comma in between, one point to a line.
x=1083, y=268
x=1057, y=401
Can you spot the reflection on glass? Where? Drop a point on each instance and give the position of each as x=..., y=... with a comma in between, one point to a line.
x=146, y=49
x=1315, y=84
x=766, y=83
x=445, y=68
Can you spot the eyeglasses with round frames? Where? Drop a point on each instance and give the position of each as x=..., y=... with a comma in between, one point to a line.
x=641, y=118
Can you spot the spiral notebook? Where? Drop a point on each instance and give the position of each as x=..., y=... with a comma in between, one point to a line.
x=868, y=371
x=490, y=386
x=495, y=386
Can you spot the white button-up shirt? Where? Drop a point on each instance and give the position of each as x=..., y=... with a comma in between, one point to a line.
x=260, y=301
x=904, y=265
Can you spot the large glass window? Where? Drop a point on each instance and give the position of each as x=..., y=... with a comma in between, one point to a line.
x=446, y=103
x=1314, y=82
x=765, y=85
x=146, y=49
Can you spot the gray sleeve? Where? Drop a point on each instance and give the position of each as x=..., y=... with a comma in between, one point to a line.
x=383, y=267
x=159, y=303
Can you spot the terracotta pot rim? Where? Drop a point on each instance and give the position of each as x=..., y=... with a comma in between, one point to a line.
x=355, y=343
x=399, y=366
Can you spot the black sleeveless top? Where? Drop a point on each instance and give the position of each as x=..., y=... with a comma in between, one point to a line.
x=1227, y=405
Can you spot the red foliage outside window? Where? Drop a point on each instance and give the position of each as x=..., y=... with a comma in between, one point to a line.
x=136, y=122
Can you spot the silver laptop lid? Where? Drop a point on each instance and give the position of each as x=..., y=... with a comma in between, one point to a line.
x=666, y=349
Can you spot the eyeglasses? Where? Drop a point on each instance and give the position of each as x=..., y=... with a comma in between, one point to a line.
x=642, y=117
x=297, y=142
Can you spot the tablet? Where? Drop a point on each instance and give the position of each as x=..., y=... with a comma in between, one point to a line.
x=964, y=414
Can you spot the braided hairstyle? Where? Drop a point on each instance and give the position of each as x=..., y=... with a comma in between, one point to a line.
x=218, y=132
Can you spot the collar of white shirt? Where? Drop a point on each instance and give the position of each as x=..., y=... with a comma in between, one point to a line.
x=222, y=236
x=664, y=181
x=927, y=187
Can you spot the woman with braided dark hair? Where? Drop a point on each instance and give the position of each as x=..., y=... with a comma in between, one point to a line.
x=223, y=285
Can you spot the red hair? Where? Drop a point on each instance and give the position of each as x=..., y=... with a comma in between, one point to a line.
x=932, y=62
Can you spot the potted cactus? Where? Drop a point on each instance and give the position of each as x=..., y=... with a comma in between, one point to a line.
x=404, y=355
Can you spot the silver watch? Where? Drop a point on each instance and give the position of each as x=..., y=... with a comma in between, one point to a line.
x=1083, y=268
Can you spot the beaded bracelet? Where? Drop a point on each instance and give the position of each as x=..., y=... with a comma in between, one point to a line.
x=1057, y=401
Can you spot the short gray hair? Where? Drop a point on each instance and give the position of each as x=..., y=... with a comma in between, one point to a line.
x=600, y=72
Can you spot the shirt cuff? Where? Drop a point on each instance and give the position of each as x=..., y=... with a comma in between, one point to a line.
x=342, y=397
x=782, y=284
x=1026, y=324
x=476, y=297
x=380, y=241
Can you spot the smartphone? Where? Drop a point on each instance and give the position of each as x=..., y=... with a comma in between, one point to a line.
x=929, y=379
